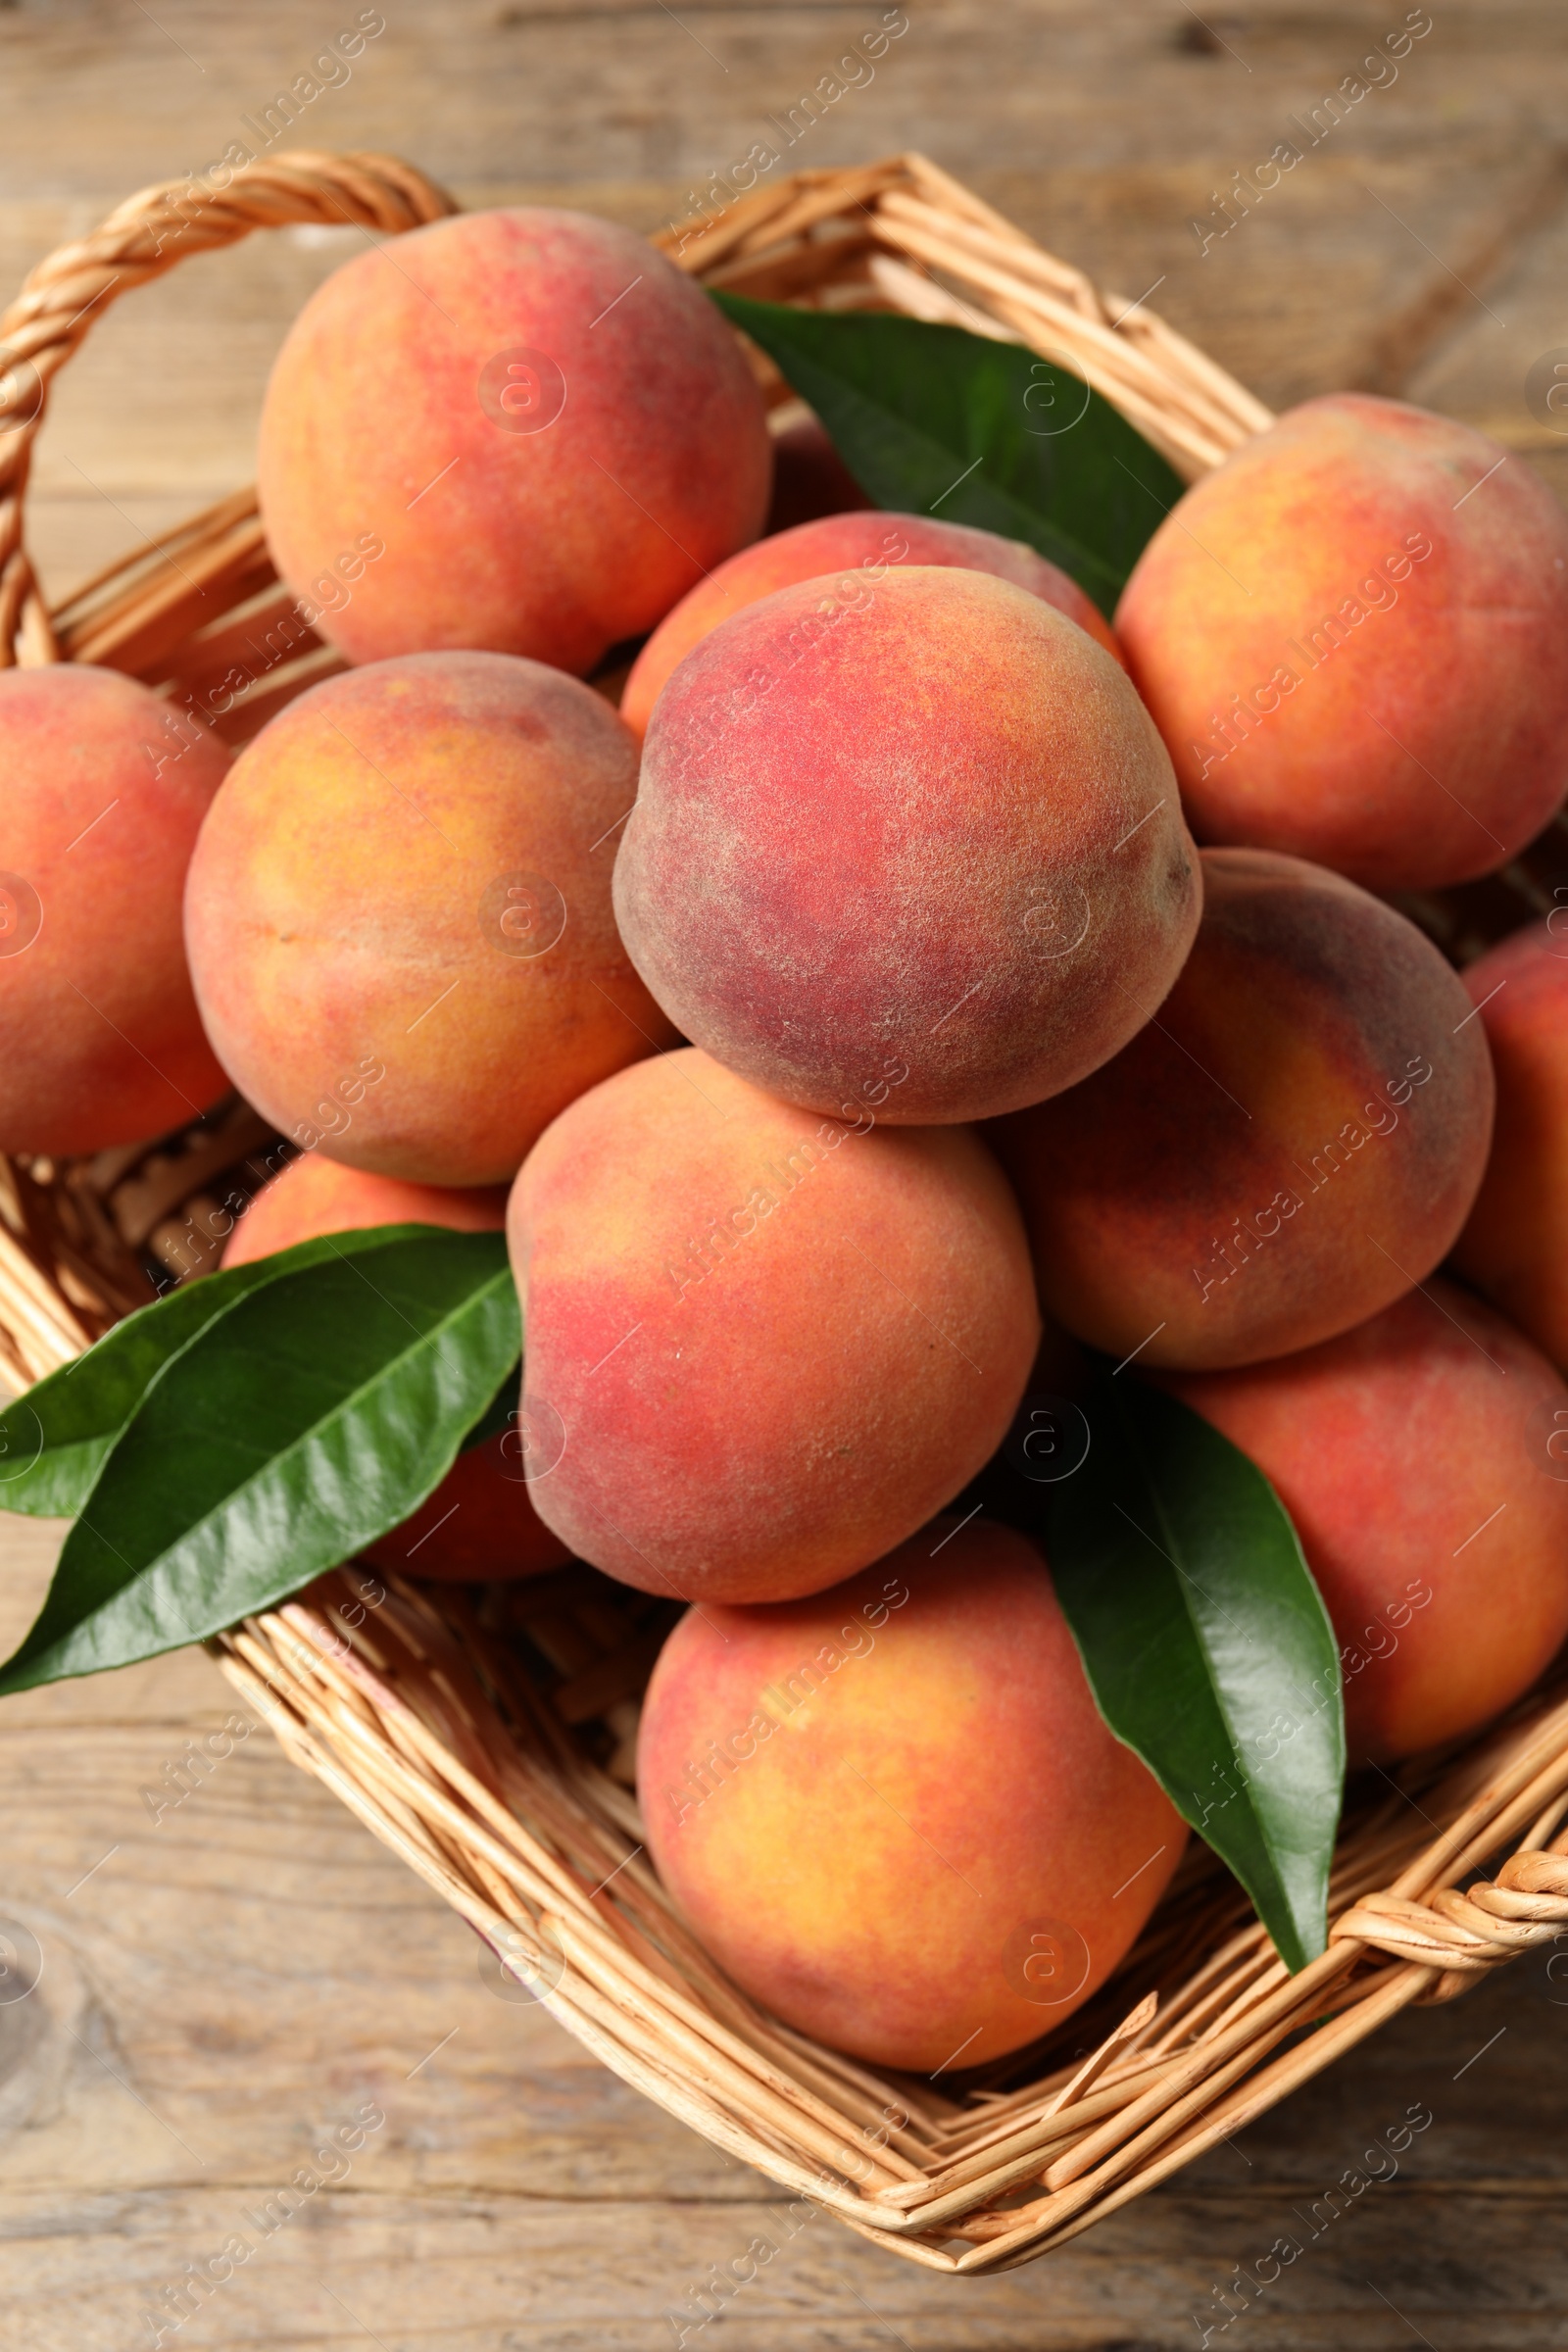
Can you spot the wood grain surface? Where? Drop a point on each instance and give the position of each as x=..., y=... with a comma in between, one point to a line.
x=230, y=1968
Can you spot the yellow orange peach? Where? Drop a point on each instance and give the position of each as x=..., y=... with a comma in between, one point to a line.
x=106, y=786
x=1353, y=636
x=399, y=920
x=893, y=1812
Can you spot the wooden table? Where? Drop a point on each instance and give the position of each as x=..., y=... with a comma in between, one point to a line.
x=228, y=1977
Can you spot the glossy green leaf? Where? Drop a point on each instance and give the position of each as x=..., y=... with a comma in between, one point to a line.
x=932, y=420
x=54, y=1439
x=312, y=1416
x=1207, y=1646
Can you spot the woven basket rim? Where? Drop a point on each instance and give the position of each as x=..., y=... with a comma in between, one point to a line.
x=416, y=1711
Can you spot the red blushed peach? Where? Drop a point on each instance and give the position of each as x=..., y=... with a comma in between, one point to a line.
x=1291, y=1141
x=1415, y=1455
x=479, y=1526
x=106, y=786
x=863, y=547
x=546, y=429
x=763, y=1348
x=924, y=815
x=1515, y=1244
x=399, y=920
x=479, y=1521
x=1353, y=636
x=894, y=1814
x=809, y=477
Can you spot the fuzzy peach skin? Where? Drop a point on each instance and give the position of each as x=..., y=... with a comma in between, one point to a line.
x=1415, y=1455
x=1356, y=644
x=893, y=1813
x=106, y=785
x=479, y=1521
x=1515, y=1244
x=1293, y=1141
x=861, y=548
x=314, y=1194
x=546, y=428
x=924, y=815
x=399, y=919
x=763, y=1346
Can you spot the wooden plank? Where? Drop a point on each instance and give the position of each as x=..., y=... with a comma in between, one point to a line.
x=1340, y=275
x=1348, y=273
x=1498, y=366
x=241, y=1973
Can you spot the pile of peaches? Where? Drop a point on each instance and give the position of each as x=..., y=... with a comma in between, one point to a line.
x=850, y=1000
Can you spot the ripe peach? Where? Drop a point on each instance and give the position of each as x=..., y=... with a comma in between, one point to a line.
x=399, y=919
x=764, y=1347
x=1416, y=1456
x=809, y=477
x=1290, y=1144
x=1515, y=1245
x=549, y=428
x=1353, y=636
x=479, y=1521
x=863, y=547
x=924, y=816
x=893, y=1812
x=105, y=788
x=314, y=1194
x=479, y=1525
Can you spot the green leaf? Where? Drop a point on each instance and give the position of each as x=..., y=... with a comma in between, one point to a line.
x=1207, y=1646
x=312, y=1416
x=54, y=1439
x=932, y=420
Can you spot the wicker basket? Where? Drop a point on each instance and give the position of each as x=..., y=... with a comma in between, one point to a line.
x=485, y=1734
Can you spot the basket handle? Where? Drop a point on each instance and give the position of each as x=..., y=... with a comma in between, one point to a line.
x=147, y=234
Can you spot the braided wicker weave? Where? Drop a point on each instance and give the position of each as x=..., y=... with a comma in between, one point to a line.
x=486, y=1734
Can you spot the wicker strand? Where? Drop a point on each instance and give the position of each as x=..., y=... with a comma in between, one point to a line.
x=1106, y=2130
x=990, y=277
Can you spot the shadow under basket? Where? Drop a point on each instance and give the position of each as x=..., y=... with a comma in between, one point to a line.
x=485, y=1733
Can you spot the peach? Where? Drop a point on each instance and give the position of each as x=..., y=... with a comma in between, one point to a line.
x=1353, y=636
x=479, y=1520
x=763, y=1348
x=399, y=918
x=479, y=1526
x=924, y=816
x=809, y=477
x=893, y=1813
x=542, y=429
x=863, y=547
x=106, y=786
x=1515, y=1244
x=1292, y=1140
x=1419, y=1458
x=314, y=1194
